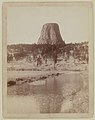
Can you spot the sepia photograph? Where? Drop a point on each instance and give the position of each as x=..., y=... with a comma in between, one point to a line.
x=48, y=60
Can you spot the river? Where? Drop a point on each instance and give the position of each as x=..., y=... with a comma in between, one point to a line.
x=44, y=96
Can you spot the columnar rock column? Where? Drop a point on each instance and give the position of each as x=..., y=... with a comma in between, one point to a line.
x=50, y=34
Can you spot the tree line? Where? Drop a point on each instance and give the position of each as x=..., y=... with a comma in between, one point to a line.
x=21, y=51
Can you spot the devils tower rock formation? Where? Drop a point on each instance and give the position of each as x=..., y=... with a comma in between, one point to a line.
x=50, y=34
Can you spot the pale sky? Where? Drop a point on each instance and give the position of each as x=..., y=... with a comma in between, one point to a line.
x=24, y=24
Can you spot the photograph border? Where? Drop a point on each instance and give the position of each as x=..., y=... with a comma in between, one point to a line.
x=91, y=64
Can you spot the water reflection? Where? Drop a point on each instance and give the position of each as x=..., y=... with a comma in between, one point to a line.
x=52, y=100
x=49, y=93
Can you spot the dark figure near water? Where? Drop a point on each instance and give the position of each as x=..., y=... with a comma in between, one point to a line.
x=39, y=61
x=55, y=58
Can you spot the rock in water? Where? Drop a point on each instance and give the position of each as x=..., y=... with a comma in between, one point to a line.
x=50, y=34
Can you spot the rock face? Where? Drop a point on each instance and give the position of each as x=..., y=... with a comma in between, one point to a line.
x=50, y=34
